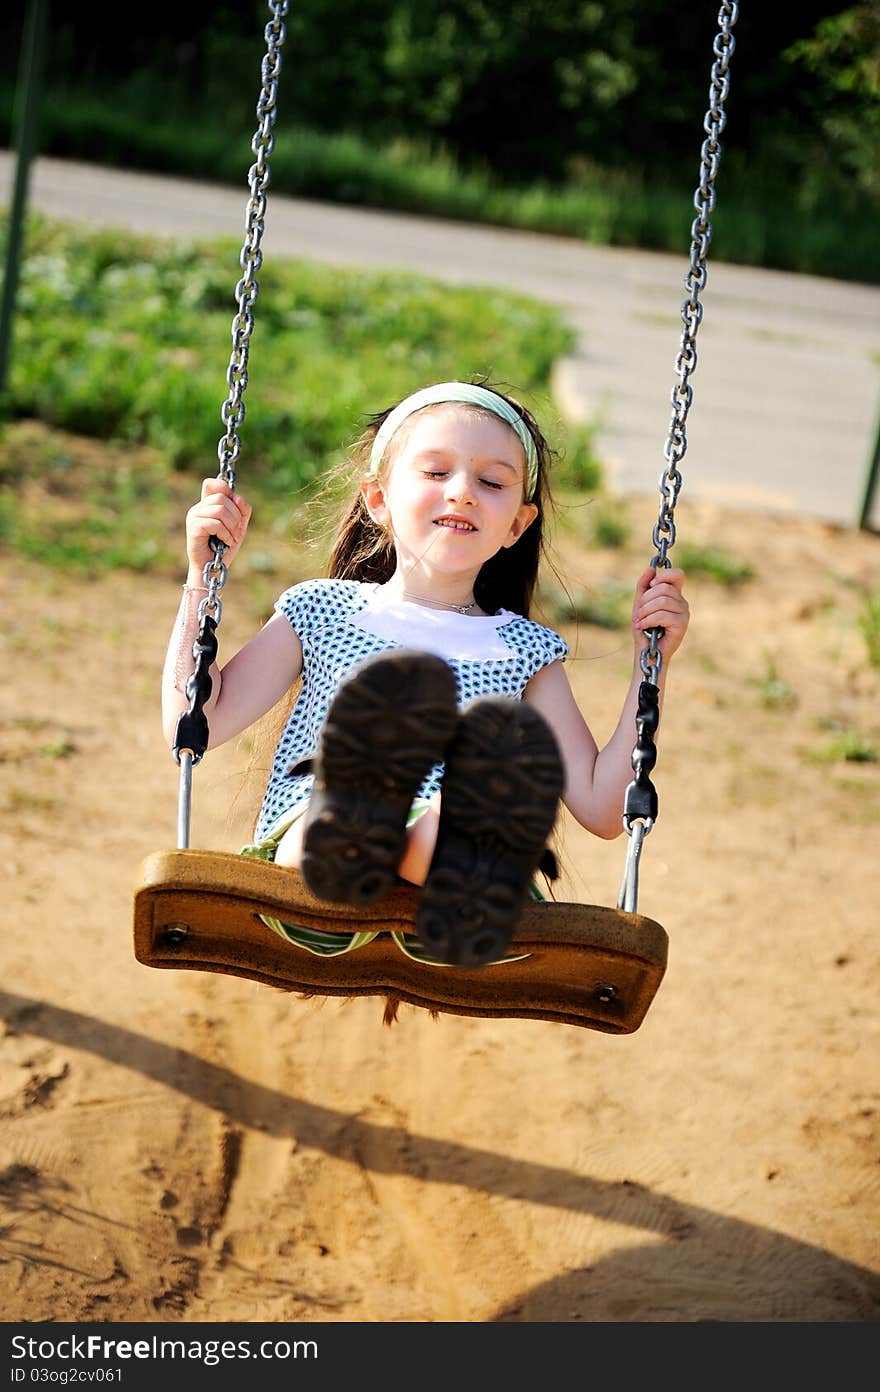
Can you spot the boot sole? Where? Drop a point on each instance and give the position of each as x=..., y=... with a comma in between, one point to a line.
x=501, y=788
x=387, y=726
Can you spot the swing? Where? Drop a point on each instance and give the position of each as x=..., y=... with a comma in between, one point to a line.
x=570, y=963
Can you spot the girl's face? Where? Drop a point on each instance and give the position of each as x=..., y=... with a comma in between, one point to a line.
x=454, y=495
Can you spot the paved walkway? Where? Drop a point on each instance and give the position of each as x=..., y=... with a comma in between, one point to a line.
x=786, y=391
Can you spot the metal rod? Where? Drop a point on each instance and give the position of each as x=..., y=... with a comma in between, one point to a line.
x=184, y=799
x=629, y=890
x=30, y=83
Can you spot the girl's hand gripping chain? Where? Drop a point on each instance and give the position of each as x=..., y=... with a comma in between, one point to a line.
x=220, y=513
x=659, y=603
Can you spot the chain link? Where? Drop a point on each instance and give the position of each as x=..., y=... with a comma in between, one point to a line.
x=246, y=291
x=640, y=800
x=691, y=314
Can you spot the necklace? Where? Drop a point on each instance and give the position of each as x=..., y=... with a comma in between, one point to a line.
x=440, y=603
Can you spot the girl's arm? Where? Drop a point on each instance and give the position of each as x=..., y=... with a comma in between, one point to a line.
x=596, y=780
x=260, y=673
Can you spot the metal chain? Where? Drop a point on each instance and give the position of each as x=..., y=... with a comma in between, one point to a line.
x=191, y=739
x=691, y=311
x=640, y=801
x=246, y=291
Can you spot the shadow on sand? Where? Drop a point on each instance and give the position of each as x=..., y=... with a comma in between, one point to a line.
x=731, y=1265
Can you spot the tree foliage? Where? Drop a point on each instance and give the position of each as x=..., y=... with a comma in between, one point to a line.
x=843, y=59
x=533, y=91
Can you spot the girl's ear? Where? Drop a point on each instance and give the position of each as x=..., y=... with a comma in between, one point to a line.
x=374, y=498
x=525, y=516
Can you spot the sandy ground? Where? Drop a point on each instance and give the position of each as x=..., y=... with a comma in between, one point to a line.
x=193, y=1148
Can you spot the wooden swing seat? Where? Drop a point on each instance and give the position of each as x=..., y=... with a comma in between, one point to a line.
x=587, y=965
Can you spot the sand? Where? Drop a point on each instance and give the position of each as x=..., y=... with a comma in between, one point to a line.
x=191, y=1148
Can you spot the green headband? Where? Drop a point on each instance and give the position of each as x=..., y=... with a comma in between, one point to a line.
x=469, y=395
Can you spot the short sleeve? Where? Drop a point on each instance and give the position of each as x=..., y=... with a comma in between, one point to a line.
x=554, y=645
x=308, y=605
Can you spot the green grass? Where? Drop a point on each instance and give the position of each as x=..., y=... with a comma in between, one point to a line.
x=845, y=744
x=126, y=340
x=869, y=624
x=848, y=747
x=713, y=562
x=579, y=470
x=608, y=605
x=593, y=518
x=60, y=747
x=610, y=526
x=774, y=693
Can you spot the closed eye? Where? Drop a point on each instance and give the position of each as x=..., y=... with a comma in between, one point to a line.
x=442, y=473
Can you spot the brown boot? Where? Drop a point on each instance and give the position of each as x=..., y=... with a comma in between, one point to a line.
x=389, y=723
x=500, y=795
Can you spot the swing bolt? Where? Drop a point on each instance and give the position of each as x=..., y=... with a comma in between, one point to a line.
x=604, y=993
x=173, y=934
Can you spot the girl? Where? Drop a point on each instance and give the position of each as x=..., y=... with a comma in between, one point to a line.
x=435, y=730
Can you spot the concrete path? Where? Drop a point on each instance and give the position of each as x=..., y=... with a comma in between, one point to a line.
x=786, y=391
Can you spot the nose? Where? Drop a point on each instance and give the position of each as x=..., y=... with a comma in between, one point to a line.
x=459, y=488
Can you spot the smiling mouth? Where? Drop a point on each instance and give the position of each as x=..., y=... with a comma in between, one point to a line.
x=454, y=524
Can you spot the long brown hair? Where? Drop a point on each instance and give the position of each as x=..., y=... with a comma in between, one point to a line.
x=363, y=550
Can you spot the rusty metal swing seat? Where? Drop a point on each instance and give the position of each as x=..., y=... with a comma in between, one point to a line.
x=570, y=963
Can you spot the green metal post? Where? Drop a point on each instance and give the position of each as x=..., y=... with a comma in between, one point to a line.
x=870, y=485
x=27, y=105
